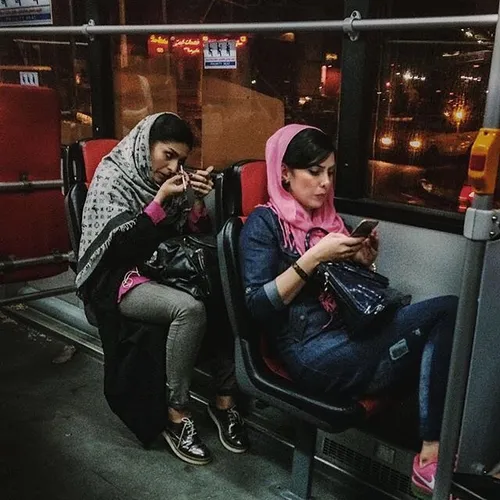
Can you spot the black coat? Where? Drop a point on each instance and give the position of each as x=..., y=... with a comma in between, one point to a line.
x=134, y=352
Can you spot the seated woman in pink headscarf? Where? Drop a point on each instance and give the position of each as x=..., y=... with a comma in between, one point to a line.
x=305, y=330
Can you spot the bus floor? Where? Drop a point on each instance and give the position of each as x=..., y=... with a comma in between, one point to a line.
x=60, y=441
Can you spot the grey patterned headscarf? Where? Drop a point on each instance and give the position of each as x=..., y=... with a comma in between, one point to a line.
x=121, y=188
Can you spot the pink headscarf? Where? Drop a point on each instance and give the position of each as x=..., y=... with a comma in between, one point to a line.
x=295, y=220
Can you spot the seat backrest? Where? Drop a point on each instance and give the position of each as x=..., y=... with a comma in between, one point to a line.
x=33, y=223
x=245, y=188
x=84, y=157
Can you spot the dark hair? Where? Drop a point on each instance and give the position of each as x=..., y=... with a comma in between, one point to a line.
x=309, y=147
x=169, y=127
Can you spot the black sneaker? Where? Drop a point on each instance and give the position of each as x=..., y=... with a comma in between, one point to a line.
x=232, y=432
x=185, y=442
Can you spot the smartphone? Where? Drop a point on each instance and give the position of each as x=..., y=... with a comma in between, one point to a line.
x=364, y=228
x=192, y=170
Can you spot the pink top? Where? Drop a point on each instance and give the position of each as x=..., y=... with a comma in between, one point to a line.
x=156, y=213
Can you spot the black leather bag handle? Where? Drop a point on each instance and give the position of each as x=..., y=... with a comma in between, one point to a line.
x=307, y=241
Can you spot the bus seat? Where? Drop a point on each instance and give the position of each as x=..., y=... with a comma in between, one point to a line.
x=66, y=168
x=92, y=152
x=258, y=374
x=84, y=157
x=32, y=217
x=248, y=183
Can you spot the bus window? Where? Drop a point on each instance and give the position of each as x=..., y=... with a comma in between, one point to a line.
x=279, y=77
x=429, y=103
x=59, y=63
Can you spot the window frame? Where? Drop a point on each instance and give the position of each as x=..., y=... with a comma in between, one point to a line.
x=359, y=67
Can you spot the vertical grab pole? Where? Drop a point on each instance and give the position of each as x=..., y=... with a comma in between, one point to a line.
x=303, y=462
x=467, y=308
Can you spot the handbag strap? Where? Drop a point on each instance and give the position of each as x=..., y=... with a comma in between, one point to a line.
x=307, y=240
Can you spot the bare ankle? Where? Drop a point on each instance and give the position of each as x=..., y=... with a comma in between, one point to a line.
x=429, y=452
x=224, y=402
x=176, y=416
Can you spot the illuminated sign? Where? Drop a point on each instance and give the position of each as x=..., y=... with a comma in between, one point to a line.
x=158, y=40
x=186, y=42
x=157, y=45
x=188, y=45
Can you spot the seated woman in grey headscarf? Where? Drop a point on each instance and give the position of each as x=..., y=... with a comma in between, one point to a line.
x=137, y=199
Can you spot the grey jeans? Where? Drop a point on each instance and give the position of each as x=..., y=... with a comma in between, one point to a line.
x=185, y=318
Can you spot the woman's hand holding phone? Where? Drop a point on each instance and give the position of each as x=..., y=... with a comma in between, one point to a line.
x=368, y=252
x=336, y=246
x=201, y=182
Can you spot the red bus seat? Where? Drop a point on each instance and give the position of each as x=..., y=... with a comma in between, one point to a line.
x=247, y=184
x=32, y=220
x=84, y=157
x=259, y=373
x=93, y=151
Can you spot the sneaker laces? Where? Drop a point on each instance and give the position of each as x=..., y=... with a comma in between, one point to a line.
x=189, y=429
x=234, y=417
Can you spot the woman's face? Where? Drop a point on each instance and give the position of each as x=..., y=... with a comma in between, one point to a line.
x=166, y=158
x=310, y=186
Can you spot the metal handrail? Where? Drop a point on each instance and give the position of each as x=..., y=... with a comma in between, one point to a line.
x=63, y=290
x=30, y=185
x=91, y=29
x=55, y=258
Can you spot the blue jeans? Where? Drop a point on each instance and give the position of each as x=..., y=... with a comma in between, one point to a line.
x=416, y=342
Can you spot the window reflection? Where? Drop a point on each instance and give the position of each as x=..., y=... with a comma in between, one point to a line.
x=429, y=104
x=278, y=79
x=59, y=64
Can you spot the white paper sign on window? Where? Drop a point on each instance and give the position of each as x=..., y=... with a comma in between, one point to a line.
x=25, y=12
x=220, y=54
x=29, y=78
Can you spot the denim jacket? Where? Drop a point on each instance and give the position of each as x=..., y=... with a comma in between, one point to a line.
x=263, y=258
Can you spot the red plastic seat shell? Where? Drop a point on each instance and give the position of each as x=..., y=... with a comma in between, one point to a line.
x=93, y=152
x=32, y=223
x=253, y=185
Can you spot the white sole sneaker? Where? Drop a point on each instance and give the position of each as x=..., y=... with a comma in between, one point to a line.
x=182, y=456
x=221, y=435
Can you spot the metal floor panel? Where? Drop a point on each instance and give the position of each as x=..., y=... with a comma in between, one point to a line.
x=60, y=441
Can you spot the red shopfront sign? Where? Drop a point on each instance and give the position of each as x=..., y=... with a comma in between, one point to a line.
x=186, y=45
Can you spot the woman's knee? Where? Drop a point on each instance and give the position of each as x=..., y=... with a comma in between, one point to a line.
x=448, y=306
x=448, y=303
x=443, y=306
x=444, y=326
x=193, y=309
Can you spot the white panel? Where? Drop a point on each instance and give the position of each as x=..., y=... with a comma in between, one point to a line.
x=423, y=262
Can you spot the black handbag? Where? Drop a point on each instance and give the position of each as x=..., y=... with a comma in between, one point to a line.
x=187, y=262
x=363, y=297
